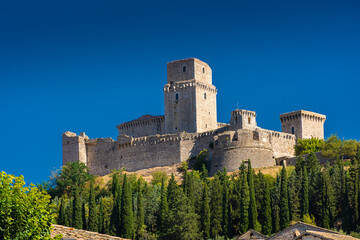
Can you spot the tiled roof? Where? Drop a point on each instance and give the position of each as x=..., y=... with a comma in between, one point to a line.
x=72, y=233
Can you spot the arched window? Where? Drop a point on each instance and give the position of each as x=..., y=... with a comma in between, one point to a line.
x=293, y=130
x=176, y=97
x=184, y=68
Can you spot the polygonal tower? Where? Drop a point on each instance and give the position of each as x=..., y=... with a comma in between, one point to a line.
x=304, y=124
x=190, y=97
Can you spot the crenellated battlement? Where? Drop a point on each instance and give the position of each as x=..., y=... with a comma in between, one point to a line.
x=189, y=84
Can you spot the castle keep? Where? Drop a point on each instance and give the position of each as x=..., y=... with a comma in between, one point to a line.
x=189, y=126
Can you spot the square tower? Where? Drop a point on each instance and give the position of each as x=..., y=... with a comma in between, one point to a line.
x=243, y=119
x=190, y=97
x=304, y=124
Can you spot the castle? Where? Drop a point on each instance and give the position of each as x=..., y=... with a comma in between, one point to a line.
x=189, y=126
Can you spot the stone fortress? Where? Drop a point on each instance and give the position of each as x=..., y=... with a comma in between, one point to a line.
x=189, y=126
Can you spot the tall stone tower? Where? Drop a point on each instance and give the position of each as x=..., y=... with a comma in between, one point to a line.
x=190, y=97
x=304, y=124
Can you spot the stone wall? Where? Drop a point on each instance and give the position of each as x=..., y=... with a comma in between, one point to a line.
x=105, y=155
x=74, y=147
x=144, y=126
x=282, y=143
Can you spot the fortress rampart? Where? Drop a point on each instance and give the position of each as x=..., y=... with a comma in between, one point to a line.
x=189, y=126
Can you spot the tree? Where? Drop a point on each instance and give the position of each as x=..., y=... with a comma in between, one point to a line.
x=116, y=210
x=127, y=219
x=327, y=201
x=25, y=211
x=349, y=149
x=163, y=211
x=244, y=200
x=77, y=221
x=73, y=175
x=284, y=204
x=306, y=146
x=84, y=220
x=140, y=211
x=182, y=219
x=275, y=204
x=304, y=192
x=172, y=187
x=62, y=212
x=200, y=160
x=101, y=217
x=331, y=147
x=205, y=213
x=253, y=223
x=294, y=191
x=216, y=207
x=93, y=225
x=267, y=220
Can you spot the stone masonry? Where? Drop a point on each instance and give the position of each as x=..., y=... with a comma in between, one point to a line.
x=189, y=126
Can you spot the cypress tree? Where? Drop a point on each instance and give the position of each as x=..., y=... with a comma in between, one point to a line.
x=275, y=204
x=294, y=191
x=127, y=219
x=172, y=187
x=140, y=210
x=225, y=209
x=77, y=213
x=216, y=207
x=353, y=192
x=115, y=185
x=84, y=226
x=69, y=213
x=284, y=203
x=101, y=217
x=116, y=211
x=163, y=210
x=62, y=212
x=252, y=205
x=267, y=224
x=327, y=201
x=304, y=192
x=93, y=225
x=244, y=200
x=205, y=213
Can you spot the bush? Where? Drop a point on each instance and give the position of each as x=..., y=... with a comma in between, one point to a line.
x=25, y=211
x=306, y=146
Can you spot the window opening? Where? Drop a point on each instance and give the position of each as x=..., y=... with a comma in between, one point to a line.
x=203, y=70
x=176, y=96
x=293, y=130
x=249, y=120
x=204, y=95
x=184, y=68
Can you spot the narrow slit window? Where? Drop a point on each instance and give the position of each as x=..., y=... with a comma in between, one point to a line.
x=184, y=68
x=204, y=95
x=249, y=120
x=176, y=96
x=203, y=70
x=293, y=130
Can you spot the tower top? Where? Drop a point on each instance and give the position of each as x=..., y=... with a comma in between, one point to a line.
x=187, y=70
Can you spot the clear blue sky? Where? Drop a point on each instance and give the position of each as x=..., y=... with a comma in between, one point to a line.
x=90, y=65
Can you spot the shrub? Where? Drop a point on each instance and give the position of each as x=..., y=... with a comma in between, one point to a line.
x=25, y=211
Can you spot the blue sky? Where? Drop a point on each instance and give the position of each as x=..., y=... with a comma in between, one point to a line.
x=90, y=65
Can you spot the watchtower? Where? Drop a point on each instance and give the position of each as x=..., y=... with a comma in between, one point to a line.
x=243, y=119
x=190, y=97
x=304, y=124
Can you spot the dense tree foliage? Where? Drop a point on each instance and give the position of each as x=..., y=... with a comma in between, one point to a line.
x=306, y=146
x=25, y=212
x=222, y=206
